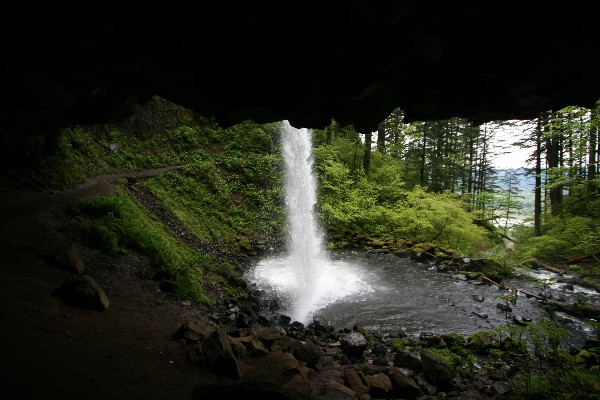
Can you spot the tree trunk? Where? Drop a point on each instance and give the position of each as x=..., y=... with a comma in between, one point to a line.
x=423, y=158
x=367, y=156
x=537, y=198
x=592, y=155
x=381, y=137
x=553, y=161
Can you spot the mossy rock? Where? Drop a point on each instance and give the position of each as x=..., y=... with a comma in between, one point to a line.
x=591, y=282
x=480, y=342
x=513, y=346
x=453, y=339
x=441, y=256
x=377, y=244
x=493, y=269
x=587, y=358
x=532, y=263
x=424, y=247
x=407, y=343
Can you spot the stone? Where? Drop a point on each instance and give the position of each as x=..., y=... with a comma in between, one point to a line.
x=436, y=371
x=83, y=291
x=353, y=344
x=219, y=355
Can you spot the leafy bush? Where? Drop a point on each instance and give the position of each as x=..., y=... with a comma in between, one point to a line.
x=558, y=239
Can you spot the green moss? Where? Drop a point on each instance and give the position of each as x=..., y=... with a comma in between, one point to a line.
x=461, y=363
x=119, y=223
x=480, y=342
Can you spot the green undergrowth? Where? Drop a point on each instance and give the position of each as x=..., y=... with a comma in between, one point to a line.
x=157, y=134
x=232, y=197
x=226, y=192
x=117, y=223
x=538, y=361
x=535, y=359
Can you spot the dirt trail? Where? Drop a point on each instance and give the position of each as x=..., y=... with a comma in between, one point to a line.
x=19, y=203
x=55, y=351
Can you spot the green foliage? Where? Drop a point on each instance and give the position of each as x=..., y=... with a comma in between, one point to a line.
x=553, y=372
x=82, y=152
x=233, y=197
x=228, y=192
x=539, y=363
x=120, y=223
x=252, y=137
x=557, y=239
x=457, y=359
x=480, y=342
x=439, y=217
x=360, y=205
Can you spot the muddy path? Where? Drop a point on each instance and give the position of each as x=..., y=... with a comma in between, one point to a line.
x=52, y=350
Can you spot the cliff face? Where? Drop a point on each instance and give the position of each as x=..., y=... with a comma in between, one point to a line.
x=354, y=61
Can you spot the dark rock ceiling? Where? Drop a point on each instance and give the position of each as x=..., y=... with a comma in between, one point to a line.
x=354, y=61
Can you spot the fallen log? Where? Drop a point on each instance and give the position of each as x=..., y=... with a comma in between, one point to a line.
x=576, y=260
x=488, y=280
x=536, y=264
x=577, y=310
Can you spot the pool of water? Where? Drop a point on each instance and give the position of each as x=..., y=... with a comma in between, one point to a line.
x=388, y=294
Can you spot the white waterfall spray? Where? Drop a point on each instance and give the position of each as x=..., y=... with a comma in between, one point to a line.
x=304, y=236
x=305, y=280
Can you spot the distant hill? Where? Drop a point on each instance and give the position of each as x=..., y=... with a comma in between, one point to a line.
x=526, y=186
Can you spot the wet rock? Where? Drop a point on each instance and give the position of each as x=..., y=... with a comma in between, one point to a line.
x=296, y=330
x=357, y=381
x=431, y=340
x=320, y=328
x=380, y=384
x=337, y=391
x=242, y=320
x=191, y=332
x=195, y=354
x=281, y=320
x=354, y=344
x=500, y=388
x=408, y=359
x=403, y=386
x=219, y=355
x=309, y=353
x=253, y=346
x=269, y=335
x=436, y=371
x=520, y=320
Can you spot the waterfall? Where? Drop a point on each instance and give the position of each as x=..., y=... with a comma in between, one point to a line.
x=305, y=279
x=304, y=240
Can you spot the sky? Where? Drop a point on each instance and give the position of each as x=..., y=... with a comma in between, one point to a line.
x=514, y=158
x=511, y=156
